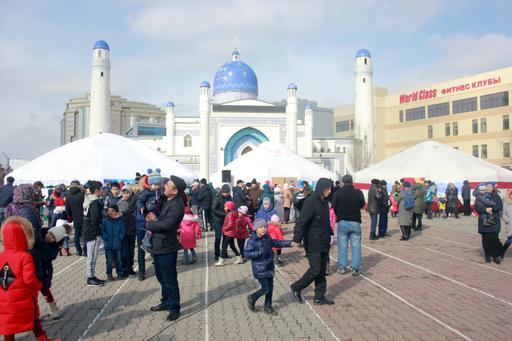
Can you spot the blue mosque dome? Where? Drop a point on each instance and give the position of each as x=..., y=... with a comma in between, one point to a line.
x=101, y=44
x=236, y=77
x=363, y=53
x=205, y=84
x=170, y=104
x=292, y=86
x=307, y=106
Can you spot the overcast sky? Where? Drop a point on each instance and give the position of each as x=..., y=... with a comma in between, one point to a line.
x=162, y=50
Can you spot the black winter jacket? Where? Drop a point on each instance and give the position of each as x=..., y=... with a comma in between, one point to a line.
x=127, y=210
x=498, y=207
x=466, y=191
x=239, y=196
x=75, y=206
x=348, y=203
x=6, y=193
x=374, y=200
x=313, y=225
x=218, y=207
x=260, y=251
x=165, y=238
x=93, y=218
x=205, y=197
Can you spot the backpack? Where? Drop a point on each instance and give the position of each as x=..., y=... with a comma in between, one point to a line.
x=409, y=200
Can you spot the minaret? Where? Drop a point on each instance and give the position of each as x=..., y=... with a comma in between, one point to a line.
x=291, y=114
x=99, y=112
x=204, y=114
x=308, y=125
x=364, y=126
x=170, y=127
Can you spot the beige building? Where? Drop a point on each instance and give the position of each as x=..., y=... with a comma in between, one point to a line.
x=471, y=114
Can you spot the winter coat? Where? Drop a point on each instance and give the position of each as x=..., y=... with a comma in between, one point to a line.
x=276, y=233
x=165, y=228
x=23, y=205
x=265, y=214
x=348, y=203
x=259, y=250
x=394, y=204
x=404, y=216
x=205, y=197
x=466, y=191
x=279, y=204
x=451, y=197
x=113, y=233
x=75, y=206
x=332, y=218
x=194, y=196
x=140, y=206
x=507, y=216
x=419, y=200
x=43, y=255
x=287, y=198
x=93, y=217
x=229, y=226
x=496, y=213
x=243, y=227
x=385, y=204
x=313, y=225
x=6, y=194
x=254, y=194
x=239, y=196
x=267, y=193
x=429, y=194
x=218, y=212
x=20, y=286
x=127, y=210
x=189, y=231
x=374, y=201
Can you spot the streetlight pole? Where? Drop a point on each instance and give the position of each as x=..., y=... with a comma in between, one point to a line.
x=8, y=160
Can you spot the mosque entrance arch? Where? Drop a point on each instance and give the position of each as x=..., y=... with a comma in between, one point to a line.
x=242, y=142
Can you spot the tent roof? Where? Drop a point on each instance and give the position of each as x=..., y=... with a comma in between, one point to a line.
x=271, y=160
x=101, y=157
x=434, y=161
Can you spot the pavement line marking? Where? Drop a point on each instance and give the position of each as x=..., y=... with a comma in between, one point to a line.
x=206, y=326
x=452, y=241
x=69, y=266
x=442, y=276
x=313, y=310
x=467, y=261
x=403, y=300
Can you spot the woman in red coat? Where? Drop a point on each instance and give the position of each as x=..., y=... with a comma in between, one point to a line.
x=19, y=311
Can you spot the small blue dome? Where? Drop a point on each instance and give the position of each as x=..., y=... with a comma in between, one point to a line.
x=170, y=104
x=205, y=84
x=101, y=44
x=235, y=53
x=363, y=53
x=235, y=76
x=307, y=106
x=292, y=86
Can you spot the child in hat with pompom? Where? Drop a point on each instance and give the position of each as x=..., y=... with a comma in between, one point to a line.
x=243, y=230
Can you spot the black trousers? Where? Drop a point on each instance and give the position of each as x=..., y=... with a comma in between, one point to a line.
x=467, y=207
x=241, y=246
x=492, y=245
x=315, y=273
x=231, y=242
x=417, y=217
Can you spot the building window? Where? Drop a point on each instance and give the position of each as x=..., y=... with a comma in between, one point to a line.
x=101, y=74
x=475, y=126
x=456, y=147
x=401, y=115
x=506, y=149
x=483, y=151
x=455, y=126
x=344, y=125
x=364, y=80
x=365, y=61
x=430, y=132
x=447, y=129
x=351, y=124
x=415, y=114
x=436, y=110
x=150, y=131
x=506, y=122
x=483, y=125
x=475, y=150
x=464, y=105
x=187, y=141
x=99, y=53
x=499, y=99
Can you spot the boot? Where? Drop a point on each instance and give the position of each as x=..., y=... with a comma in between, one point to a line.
x=220, y=262
x=67, y=251
x=239, y=260
x=60, y=251
x=403, y=233
x=55, y=311
x=408, y=229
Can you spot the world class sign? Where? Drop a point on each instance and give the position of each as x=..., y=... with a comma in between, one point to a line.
x=420, y=95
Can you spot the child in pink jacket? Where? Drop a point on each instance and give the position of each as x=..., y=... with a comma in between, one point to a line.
x=243, y=230
x=189, y=232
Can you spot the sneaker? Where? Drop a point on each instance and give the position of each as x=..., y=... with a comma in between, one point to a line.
x=270, y=311
x=342, y=271
x=142, y=276
x=131, y=272
x=99, y=280
x=93, y=281
x=355, y=273
x=250, y=304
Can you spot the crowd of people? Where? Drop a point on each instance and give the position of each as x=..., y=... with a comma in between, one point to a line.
x=162, y=216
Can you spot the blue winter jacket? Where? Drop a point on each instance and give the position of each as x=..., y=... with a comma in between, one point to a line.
x=265, y=214
x=260, y=251
x=140, y=203
x=113, y=232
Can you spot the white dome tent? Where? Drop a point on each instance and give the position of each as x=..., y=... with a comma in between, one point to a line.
x=438, y=162
x=101, y=157
x=272, y=160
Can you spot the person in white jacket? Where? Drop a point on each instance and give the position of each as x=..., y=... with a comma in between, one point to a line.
x=507, y=218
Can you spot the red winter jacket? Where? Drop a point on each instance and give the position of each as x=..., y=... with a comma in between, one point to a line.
x=18, y=290
x=229, y=227
x=243, y=227
x=275, y=232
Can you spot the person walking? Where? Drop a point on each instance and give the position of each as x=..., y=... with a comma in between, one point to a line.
x=93, y=218
x=419, y=207
x=405, y=208
x=466, y=197
x=490, y=232
x=385, y=204
x=313, y=227
x=374, y=201
x=348, y=203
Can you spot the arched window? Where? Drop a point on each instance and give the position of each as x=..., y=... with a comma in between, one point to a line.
x=246, y=150
x=187, y=141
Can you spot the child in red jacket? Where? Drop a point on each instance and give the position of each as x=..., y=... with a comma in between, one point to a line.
x=243, y=230
x=19, y=311
x=228, y=233
x=276, y=233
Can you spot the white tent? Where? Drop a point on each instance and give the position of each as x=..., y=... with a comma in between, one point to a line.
x=272, y=160
x=438, y=162
x=101, y=157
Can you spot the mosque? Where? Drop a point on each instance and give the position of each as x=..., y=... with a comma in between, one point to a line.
x=232, y=120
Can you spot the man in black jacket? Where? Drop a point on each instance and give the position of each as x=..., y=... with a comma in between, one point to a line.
x=6, y=194
x=466, y=197
x=313, y=227
x=165, y=246
x=239, y=194
x=374, y=201
x=219, y=214
x=93, y=218
x=75, y=210
x=205, y=197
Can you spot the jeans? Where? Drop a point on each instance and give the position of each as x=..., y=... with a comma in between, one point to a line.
x=373, y=223
x=113, y=256
x=217, y=227
x=65, y=243
x=429, y=210
x=140, y=253
x=185, y=253
x=78, y=237
x=165, y=271
x=315, y=273
x=349, y=231
x=93, y=249
x=467, y=207
x=128, y=252
x=267, y=287
x=231, y=241
x=383, y=224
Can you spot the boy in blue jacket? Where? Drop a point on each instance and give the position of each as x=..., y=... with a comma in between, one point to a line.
x=259, y=249
x=113, y=233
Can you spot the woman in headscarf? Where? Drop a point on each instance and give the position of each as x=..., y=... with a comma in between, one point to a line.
x=490, y=232
x=23, y=205
x=451, y=200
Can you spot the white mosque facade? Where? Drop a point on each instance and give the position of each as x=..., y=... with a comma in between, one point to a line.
x=231, y=122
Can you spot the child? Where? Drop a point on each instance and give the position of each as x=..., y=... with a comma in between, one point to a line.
x=18, y=281
x=60, y=218
x=266, y=211
x=484, y=197
x=127, y=210
x=394, y=206
x=189, y=232
x=259, y=249
x=243, y=228
x=113, y=233
x=442, y=206
x=228, y=233
x=276, y=233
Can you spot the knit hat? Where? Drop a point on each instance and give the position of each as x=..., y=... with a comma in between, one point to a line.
x=266, y=200
x=230, y=205
x=243, y=210
x=154, y=177
x=180, y=184
x=59, y=231
x=254, y=182
x=275, y=218
x=127, y=188
x=225, y=189
x=259, y=223
x=482, y=186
